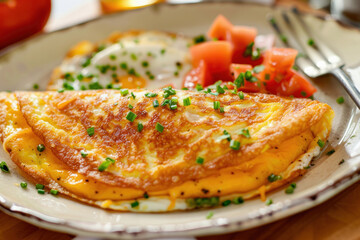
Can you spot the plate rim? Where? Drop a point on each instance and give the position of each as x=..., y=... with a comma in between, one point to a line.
x=217, y=225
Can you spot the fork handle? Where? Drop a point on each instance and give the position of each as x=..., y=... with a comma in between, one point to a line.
x=348, y=84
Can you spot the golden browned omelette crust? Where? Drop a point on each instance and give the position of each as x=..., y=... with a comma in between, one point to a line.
x=152, y=160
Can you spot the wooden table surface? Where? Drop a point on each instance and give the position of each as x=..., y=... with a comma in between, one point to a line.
x=337, y=218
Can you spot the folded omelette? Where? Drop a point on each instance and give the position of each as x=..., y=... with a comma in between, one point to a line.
x=161, y=150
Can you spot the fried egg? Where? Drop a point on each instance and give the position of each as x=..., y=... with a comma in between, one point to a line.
x=135, y=59
x=122, y=151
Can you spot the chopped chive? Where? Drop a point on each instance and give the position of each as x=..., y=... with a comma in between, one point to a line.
x=130, y=106
x=248, y=75
x=40, y=147
x=131, y=116
x=159, y=127
x=145, y=64
x=4, y=167
x=176, y=73
x=105, y=164
x=200, y=160
x=198, y=87
x=133, y=95
x=124, y=92
x=222, y=110
x=241, y=95
x=123, y=65
x=199, y=39
x=54, y=192
x=23, y=185
x=163, y=51
x=269, y=202
x=303, y=93
x=249, y=49
x=330, y=152
x=184, y=88
x=41, y=191
x=150, y=95
x=234, y=144
x=210, y=215
x=133, y=56
x=155, y=103
x=321, y=143
x=226, y=203
x=90, y=131
x=134, y=204
x=87, y=62
x=95, y=85
x=60, y=90
x=238, y=200
x=140, y=127
x=239, y=81
x=245, y=132
x=289, y=190
x=39, y=186
x=293, y=185
x=340, y=100
x=112, y=57
x=36, y=86
x=146, y=195
x=216, y=105
x=219, y=89
x=83, y=153
x=283, y=38
x=187, y=101
x=272, y=177
x=311, y=42
x=173, y=107
x=342, y=161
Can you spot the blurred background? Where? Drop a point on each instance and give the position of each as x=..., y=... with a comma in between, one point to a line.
x=20, y=19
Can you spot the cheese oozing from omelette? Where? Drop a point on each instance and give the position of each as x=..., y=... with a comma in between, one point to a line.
x=134, y=59
x=159, y=170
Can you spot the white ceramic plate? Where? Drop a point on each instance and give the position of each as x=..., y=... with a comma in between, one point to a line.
x=32, y=61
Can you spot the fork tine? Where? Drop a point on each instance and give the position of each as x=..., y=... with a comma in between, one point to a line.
x=303, y=38
x=303, y=63
x=329, y=54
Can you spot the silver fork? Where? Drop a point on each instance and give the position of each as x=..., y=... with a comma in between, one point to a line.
x=319, y=59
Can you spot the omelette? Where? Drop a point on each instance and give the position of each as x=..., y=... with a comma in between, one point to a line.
x=161, y=150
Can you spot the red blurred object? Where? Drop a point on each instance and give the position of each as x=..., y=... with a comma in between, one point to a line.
x=22, y=18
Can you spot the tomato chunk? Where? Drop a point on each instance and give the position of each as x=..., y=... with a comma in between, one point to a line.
x=216, y=55
x=241, y=37
x=219, y=28
x=296, y=85
x=236, y=69
x=198, y=75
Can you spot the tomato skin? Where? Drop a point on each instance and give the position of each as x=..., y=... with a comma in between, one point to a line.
x=278, y=62
x=219, y=28
x=216, y=55
x=236, y=69
x=22, y=18
x=198, y=75
x=295, y=85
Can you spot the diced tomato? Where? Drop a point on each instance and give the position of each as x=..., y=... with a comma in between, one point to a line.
x=219, y=28
x=241, y=37
x=216, y=55
x=236, y=69
x=198, y=75
x=278, y=62
x=295, y=85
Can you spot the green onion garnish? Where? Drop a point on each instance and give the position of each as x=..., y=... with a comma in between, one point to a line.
x=40, y=147
x=239, y=81
x=330, y=152
x=198, y=87
x=83, y=153
x=245, y=133
x=123, y=65
x=105, y=164
x=146, y=195
x=150, y=95
x=210, y=215
x=155, y=103
x=234, y=144
x=241, y=95
x=216, y=105
x=321, y=143
x=41, y=191
x=222, y=109
x=219, y=89
x=238, y=200
x=311, y=42
x=134, y=204
x=269, y=202
x=199, y=39
x=272, y=177
x=200, y=160
x=112, y=57
x=124, y=92
x=131, y=116
x=23, y=185
x=226, y=203
x=4, y=167
x=36, y=86
x=130, y=106
x=159, y=127
x=340, y=100
x=145, y=64
x=54, y=192
x=187, y=101
x=140, y=127
x=39, y=186
x=90, y=131
x=133, y=95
